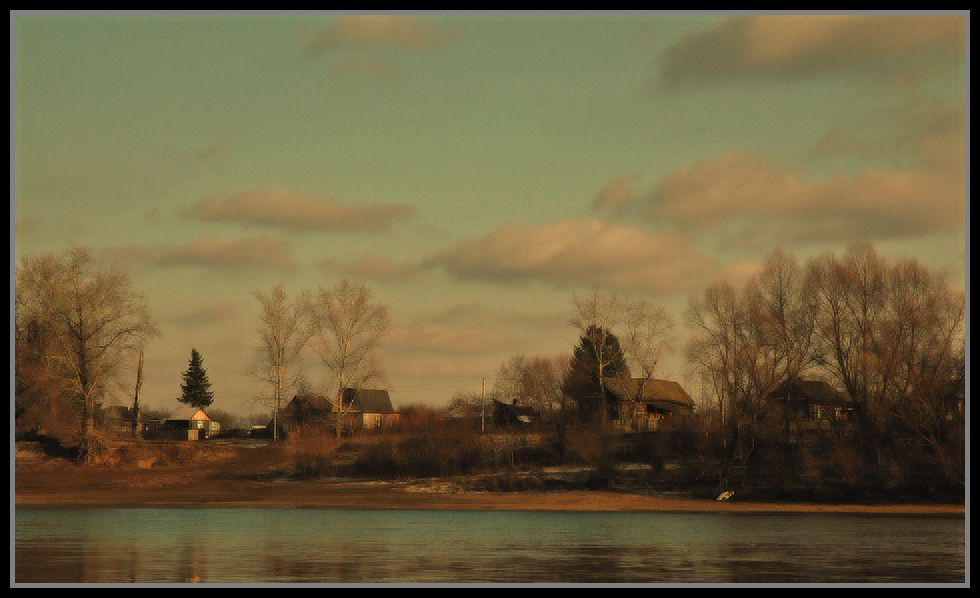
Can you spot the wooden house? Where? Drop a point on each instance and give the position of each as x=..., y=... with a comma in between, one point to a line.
x=368, y=409
x=307, y=410
x=796, y=399
x=644, y=404
x=188, y=423
x=363, y=409
x=509, y=415
x=118, y=419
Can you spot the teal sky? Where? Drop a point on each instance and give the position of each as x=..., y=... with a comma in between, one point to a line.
x=474, y=170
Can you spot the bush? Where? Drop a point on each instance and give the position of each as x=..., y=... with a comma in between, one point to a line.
x=313, y=452
x=596, y=448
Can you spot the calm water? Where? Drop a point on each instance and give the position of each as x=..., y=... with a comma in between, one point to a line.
x=336, y=546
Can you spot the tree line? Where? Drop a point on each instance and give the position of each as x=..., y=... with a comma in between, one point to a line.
x=890, y=336
x=79, y=328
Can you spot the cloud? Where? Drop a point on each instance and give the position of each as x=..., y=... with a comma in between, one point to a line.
x=402, y=32
x=927, y=134
x=263, y=252
x=900, y=48
x=374, y=267
x=297, y=210
x=475, y=314
x=578, y=252
x=745, y=192
x=617, y=193
x=436, y=337
x=203, y=316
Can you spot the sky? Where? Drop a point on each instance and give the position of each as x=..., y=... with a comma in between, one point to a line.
x=475, y=170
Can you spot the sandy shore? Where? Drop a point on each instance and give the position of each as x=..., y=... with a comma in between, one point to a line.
x=236, y=482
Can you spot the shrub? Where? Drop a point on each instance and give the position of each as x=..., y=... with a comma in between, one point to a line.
x=596, y=447
x=313, y=452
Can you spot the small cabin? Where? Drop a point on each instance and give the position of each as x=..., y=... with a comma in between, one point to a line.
x=188, y=423
x=811, y=401
x=644, y=404
x=118, y=419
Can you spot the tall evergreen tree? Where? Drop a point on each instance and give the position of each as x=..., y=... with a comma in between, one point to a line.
x=597, y=355
x=196, y=389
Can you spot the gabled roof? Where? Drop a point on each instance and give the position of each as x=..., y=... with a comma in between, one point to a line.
x=649, y=390
x=368, y=400
x=307, y=406
x=118, y=412
x=516, y=409
x=813, y=391
x=188, y=414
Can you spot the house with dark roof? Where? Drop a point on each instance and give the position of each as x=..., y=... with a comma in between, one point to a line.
x=796, y=399
x=512, y=414
x=367, y=409
x=119, y=420
x=363, y=409
x=186, y=423
x=643, y=404
x=192, y=419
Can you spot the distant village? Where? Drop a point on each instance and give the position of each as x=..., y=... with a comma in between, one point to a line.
x=637, y=406
x=842, y=377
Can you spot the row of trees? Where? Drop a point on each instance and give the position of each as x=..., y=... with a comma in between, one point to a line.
x=889, y=335
x=343, y=325
x=567, y=391
x=76, y=328
x=80, y=327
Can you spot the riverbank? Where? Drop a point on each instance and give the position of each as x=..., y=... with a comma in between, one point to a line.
x=248, y=478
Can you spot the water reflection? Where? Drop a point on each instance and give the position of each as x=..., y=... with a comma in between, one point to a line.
x=299, y=546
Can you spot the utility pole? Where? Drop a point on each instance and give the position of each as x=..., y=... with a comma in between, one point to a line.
x=136, y=400
x=483, y=408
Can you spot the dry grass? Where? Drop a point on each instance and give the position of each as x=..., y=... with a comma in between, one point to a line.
x=312, y=452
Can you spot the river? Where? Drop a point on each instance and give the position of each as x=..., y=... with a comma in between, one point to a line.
x=256, y=546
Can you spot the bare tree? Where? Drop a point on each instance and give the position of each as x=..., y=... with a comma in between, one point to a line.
x=96, y=318
x=782, y=315
x=284, y=332
x=597, y=315
x=723, y=351
x=851, y=298
x=891, y=335
x=348, y=328
x=648, y=335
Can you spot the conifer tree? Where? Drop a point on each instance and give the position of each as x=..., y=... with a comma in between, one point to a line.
x=196, y=389
x=597, y=356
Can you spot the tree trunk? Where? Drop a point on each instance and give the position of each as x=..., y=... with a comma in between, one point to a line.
x=136, y=399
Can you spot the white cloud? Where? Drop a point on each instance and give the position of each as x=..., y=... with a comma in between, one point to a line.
x=297, y=210
x=741, y=191
x=582, y=251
